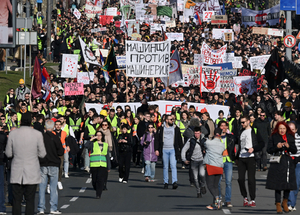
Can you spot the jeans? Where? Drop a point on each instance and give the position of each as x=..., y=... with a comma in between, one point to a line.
x=198, y=169
x=169, y=156
x=228, y=179
x=294, y=193
x=66, y=162
x=86, y=157
x=2, y=66
x=150, y=169
x=52, y=173
x=2, y=196
x=28, y=191
x=212, y=182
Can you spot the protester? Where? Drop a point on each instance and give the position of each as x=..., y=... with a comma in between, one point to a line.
x=50, y=168
x=25, y=167
x=3, y=141
x=281, y=174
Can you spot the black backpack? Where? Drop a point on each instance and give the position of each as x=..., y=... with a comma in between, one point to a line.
x=193, y=143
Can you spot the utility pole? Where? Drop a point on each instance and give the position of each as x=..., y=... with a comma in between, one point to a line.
x=289, y=32
x=49, y=8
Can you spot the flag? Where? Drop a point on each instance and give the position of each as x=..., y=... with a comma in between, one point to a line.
x=189, y=4
x=101, y=57
x=105, y=20
x=106, y=76
x=223, y=9
x=165, y=37
x=197, y=17
x=274, y=70
x=175, y=69
x=164, y=11
x=88, y=55
x=111, y=65
x=36, y=86
x=46, y=84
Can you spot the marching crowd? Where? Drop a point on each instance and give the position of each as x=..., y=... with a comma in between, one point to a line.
x=68, y=135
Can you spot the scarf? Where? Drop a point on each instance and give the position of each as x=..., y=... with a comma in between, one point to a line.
x=108, y=138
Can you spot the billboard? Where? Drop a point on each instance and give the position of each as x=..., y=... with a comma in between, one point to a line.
x=8, y=23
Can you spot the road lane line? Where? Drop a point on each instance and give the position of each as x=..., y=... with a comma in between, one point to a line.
x=89, y=180
x=82, y=190
x=64, y=206
x=226, y=211
x=74, y=199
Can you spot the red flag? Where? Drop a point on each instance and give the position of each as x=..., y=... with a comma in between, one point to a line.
x=46, y=83
x=104, y=20
x=199, y=19
x=37, y=80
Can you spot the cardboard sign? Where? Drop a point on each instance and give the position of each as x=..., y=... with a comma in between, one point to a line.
x=171, y=24
x=69, y=65
x=74, y=89
x=219, y=19
x=258, y=30
x=227, y=37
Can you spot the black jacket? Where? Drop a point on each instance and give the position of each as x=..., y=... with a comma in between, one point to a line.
x=53, y=148
x=159, y=141
x=263, y=130
x=256, y=145
x=125, y=147
x=231, y=141
x=3, y=141
x=279, y=172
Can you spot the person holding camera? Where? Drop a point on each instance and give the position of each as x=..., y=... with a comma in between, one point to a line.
x=125, y=145
x=281, y=175
x=150, y=157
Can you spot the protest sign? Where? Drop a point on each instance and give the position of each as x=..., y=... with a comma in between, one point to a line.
x=261, y=17
x=228, y=57
x=219, y=20
x=192, y=74
x=246, y=72
x=207, y=15
x=198, y=59
x=133, y=27
x=85, y=77
x=74, y=89
x=224, y=66
x=91, y=9
x=96, y=30
x=111, y=11
x=69, y=65
x=260, y=30
x=121, y=61
x=227, y=37
x=226, y=80
x=175, y=36
x=76, y=13
x=275, y=32
x=147, y=59
x=104, y=52
x=132, y=3
x=180, y=5
x=213, y=56
x=174, y=10
x=171, y=24
x=156, y=27
x=218, y=33
x=237, y=63
x=258, y=62
x=165, y=107
x=243, y=84
x=210, y=79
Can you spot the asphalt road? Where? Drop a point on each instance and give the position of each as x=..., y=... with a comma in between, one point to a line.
x=140, y=197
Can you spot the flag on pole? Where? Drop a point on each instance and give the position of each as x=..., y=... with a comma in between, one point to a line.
x=197, y=17
x=223, y=9
x=46, y=84
x=165, y=37
x=88, y=55
x=175, y=69
x=37, y=80
x=111, y=65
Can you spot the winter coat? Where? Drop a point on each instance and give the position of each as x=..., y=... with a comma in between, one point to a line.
x=281, y=176
x=263, y=130
x=149, y=152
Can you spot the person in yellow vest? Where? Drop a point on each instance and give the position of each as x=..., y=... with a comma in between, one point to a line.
x=228, y=158
x=99, y=161
x=62, y=136
x=220, y=118
x=10, y=98
x=112, y=118
x=13, y=121
x=39, y=20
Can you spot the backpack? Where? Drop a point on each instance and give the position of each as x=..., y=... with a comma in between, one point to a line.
x=193, y=143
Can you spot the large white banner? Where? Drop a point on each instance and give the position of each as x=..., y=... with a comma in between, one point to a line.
x=258, y=62
x=69, y=65
x=262, y=17
x=175, y=36
x=132, y=3
x=147, y=59
x=165, y=107
x=213, y=56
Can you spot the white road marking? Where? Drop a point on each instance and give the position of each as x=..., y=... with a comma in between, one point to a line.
x=64, y=206
x=74, y=199
x=89, y=180
x=226, y=211
x=82, y=190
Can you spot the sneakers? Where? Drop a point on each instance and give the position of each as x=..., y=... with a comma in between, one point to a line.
x=252, y=204
x=203, y=190
x=246, y=202
x=199, y=195
x=152, y=180
x=48, y=188
x=55, y=212
x=175, y=185
x=125, y=182
x=3, y=213
x=41, y=212
x=165, y=186
x=59, y=185
x=147, y=179
x=229, y=205
x=87, y=169
x=143, y=170
x=66, y=175
x=120, y=180
x=292, y=208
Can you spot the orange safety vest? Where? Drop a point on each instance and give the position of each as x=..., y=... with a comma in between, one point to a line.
x=63, y=136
